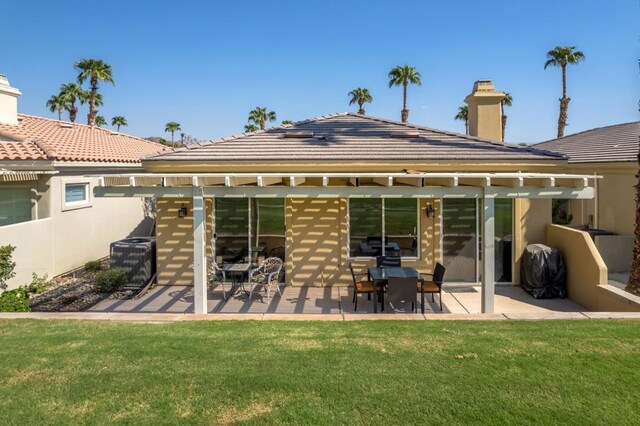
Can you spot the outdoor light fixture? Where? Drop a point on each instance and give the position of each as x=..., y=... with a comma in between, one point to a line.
x=430, y=211
x=182, y=213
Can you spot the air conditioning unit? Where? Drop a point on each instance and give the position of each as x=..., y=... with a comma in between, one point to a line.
x=137, y=256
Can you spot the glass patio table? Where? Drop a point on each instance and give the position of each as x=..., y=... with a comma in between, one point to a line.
x=237, y=270
x=381, y=275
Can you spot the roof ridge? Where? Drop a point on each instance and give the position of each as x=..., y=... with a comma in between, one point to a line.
x=587, y=131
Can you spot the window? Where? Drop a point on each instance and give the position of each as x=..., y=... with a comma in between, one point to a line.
x=503, y=238
x=255, y=226
x=367, y=227
x=15, y=205
x=76, y=193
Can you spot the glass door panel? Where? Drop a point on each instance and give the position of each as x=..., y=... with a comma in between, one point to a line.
x=232, y=230
x=459, y=239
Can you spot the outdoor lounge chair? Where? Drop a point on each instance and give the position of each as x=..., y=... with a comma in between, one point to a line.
x=390, y=261
x=363, y=286
x=402, y=291
x=268, y=275
x=215, y=275
x=435, y=285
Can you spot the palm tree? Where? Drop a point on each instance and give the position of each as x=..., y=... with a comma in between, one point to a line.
x=562, y=56
x=58, y=103
x=100, y=121
x=72, y=93
x=360, y=96
x=172, y=127
x=118, y=121
x=251, y=128
x=260, y=116
x=463, y=115
x=506, y=101
x=403, y=75
x=286, y=122
x=95, y=70
x=97, y=102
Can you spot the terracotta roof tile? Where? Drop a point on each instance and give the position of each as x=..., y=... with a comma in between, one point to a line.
x=38, y=138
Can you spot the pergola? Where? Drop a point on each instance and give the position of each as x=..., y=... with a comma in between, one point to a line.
x=485, y=187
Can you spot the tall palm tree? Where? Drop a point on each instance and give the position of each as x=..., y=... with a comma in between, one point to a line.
x=506, y=101
x=403, y=75
x=73, y=93
x=95, y=70
x=463, y=115
x=260, y=116
x=100, y=121
x=118, y=121
x=360, y=96
x=97, y=102
x=57, y=103
x=172, y=127
x=562, y=56
x=248, y=128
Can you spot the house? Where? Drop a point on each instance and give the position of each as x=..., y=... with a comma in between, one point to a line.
x=611, y=152
x=48, y=169
x=344, y=187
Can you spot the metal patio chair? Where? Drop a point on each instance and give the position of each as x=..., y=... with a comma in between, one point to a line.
x=268, y=275
x=363, y=286
x=216, y=276
x=402, y=291
x=435, y=284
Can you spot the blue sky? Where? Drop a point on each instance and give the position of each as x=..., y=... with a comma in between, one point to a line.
x=206, y=64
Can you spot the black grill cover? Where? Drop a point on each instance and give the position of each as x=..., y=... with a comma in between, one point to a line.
x=542, y=272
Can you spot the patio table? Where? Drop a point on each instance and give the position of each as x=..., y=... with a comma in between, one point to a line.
x=237, y=270
x=382, y=274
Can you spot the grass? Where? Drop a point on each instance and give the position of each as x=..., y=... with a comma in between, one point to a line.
x=572, y=372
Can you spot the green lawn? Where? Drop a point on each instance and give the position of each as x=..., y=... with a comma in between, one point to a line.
x=577, y=372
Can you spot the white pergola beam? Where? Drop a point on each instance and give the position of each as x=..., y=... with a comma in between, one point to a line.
x=199, y=253
x=488, y=255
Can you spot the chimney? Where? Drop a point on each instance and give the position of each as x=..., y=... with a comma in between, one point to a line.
x=8, y=102
x=485, y=111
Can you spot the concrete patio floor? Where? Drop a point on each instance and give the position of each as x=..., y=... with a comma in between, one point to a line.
x=329, y=300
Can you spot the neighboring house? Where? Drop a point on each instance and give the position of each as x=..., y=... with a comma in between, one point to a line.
x=344, y=187
x=611, y=152
x=48, y=169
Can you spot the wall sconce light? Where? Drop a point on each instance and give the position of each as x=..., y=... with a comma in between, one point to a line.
x=182, y=212
x=431, y=213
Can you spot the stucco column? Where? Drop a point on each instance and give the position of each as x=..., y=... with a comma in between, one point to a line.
x=199, y=253
x=488, y=254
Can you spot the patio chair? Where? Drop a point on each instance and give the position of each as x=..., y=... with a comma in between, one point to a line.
x=363, y=287
x=215, y=275
x=401, y=292
x=389, y=261
x=435, y=285
x=268, y=275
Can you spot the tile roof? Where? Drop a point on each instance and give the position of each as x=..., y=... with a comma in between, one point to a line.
x=349, y=136
x=38, y=138
x=617, y=143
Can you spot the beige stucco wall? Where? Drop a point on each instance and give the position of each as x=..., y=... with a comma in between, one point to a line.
x=587, y=282
x=615, y=198
x=69, y=237
x=174, y=240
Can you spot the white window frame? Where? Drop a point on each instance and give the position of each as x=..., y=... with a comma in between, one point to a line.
x=74, y=205
x=418, y=234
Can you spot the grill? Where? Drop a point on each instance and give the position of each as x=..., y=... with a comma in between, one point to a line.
x=137, y=256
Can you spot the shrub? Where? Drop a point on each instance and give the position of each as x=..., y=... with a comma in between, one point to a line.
x=6, y=265
x=110, y=280
x=16, y=300
x=38, y=283
x=93, y=266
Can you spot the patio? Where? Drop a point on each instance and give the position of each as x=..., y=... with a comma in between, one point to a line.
x=329, y=300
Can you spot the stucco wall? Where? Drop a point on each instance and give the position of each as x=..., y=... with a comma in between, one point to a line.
x=587, y=282
x=69, y=237
x=174, y=240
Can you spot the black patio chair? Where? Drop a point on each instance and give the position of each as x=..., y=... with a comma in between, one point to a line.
x=388, y=261
x=401, y=292
x=435, y=284
x=361, y=286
